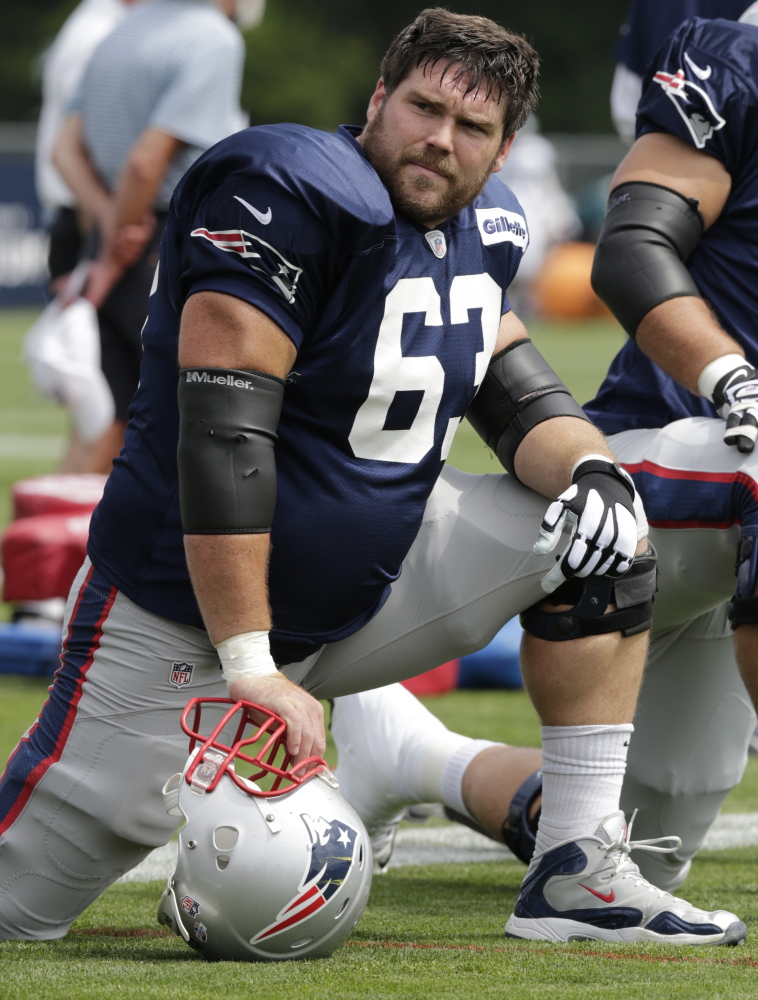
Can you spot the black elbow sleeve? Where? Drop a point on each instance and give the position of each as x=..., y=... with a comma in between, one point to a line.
x=227, y=432
x=519, y=391
x=648, y=234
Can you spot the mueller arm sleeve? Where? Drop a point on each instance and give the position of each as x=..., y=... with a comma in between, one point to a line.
x=519, y=391
x=648, y=234
x=227, y=432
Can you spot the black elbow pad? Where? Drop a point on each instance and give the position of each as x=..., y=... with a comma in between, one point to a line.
x=227, y=432
x=519, y=391
x=648, y=234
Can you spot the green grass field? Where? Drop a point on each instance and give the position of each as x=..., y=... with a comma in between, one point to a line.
x=428, y=932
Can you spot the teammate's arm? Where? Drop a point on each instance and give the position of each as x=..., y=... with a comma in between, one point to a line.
x=672, y=193
x=229, y=571
x=131, y=222
x=681, y=335
x=71, y=158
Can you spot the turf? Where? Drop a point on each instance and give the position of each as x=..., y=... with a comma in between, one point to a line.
x=430, y=931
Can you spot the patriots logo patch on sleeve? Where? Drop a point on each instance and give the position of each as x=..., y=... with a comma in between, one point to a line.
x=692, y=103
x=332, y=854
x=261, y=256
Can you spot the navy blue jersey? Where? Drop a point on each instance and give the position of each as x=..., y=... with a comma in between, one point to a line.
x=394, y=327
x=702, y=88
x=649, y=22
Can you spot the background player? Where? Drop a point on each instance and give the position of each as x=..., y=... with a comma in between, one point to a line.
x=646, y=25
x=158, y=91
x=376, y=261
x=677, y=263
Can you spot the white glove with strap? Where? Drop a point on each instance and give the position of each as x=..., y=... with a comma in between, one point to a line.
x=606, y=518
x=731, y=384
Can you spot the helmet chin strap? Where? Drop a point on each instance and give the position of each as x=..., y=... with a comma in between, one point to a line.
x=169, y=891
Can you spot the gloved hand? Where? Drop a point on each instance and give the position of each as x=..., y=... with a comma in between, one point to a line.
x=732, y=385
x=600, y=506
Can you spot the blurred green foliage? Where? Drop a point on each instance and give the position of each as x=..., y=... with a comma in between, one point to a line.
x=316, y=63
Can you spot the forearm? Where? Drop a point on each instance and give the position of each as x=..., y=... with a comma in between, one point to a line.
x=142, y=176
x=71, y=158
x=682, y=336
x=548, y=453
x=135, y=193
x=229, y=577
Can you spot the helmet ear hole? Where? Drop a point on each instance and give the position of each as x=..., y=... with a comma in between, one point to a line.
x=360, y=856
x=225, y=838
x=342, y=909
x=222, y=861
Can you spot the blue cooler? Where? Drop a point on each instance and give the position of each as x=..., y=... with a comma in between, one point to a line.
x=497, y=665
x=29, y=649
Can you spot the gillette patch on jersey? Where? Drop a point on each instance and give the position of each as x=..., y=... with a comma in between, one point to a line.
x=496, y=225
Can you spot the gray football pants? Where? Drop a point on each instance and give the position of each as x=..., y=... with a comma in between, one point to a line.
x=81, y=803
x=695, y=717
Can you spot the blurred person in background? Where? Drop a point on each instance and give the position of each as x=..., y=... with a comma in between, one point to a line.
x=646, y=25
x=530, y=172
x=158, y=91
x=63, y=66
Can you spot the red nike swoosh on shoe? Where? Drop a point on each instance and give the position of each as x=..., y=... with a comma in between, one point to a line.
x=606, y=899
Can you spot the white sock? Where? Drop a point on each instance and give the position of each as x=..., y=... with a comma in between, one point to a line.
x=583, y=768
x=395, y=753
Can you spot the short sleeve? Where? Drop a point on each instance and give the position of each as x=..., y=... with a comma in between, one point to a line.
x=245, y=235
x=201, y=97
x=694, y=90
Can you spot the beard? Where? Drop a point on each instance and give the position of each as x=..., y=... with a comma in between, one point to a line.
x=407, y=192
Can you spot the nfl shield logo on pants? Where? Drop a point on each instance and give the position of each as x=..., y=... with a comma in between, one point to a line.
x=180, y=674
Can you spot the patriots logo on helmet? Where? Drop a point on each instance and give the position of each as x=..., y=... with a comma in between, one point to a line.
x=693, y=105
x=267, y=259
x=190, y=905
x=332, y=854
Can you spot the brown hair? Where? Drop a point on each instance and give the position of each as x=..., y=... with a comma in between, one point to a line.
x=480, y=50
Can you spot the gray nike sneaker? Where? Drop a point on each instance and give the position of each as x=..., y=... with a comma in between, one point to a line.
x=590, y=889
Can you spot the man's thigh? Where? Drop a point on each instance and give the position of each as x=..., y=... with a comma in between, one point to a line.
x=470, y=569
x=80, y=801
x=700, y=497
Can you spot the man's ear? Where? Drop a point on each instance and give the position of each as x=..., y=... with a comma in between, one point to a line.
x=376, y=101
x=503, y=152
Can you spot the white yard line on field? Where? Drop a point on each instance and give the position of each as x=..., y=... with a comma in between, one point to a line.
x=421, y=845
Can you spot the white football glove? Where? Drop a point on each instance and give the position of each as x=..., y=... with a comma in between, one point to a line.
x=732, y=386
x=600, y=508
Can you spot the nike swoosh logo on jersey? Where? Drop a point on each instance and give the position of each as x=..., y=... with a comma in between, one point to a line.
x=263, y=217
x=606, y=899
x=701, y=74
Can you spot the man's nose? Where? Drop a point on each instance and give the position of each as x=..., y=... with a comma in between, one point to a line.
x=441, y=136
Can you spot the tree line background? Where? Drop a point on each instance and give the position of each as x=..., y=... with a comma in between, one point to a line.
x=316, y=61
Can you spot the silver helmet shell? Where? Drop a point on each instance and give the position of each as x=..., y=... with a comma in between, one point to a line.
x=264, y=879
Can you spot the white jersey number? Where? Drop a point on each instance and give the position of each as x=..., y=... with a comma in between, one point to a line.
x=395, y=372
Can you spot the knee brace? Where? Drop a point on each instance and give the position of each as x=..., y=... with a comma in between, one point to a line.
x=743, y=608
x=632, y=594
x=519, y=831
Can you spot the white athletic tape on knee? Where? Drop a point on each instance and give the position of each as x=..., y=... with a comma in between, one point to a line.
x=246, y=655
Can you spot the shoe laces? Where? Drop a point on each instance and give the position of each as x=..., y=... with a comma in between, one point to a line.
x=622, y=846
